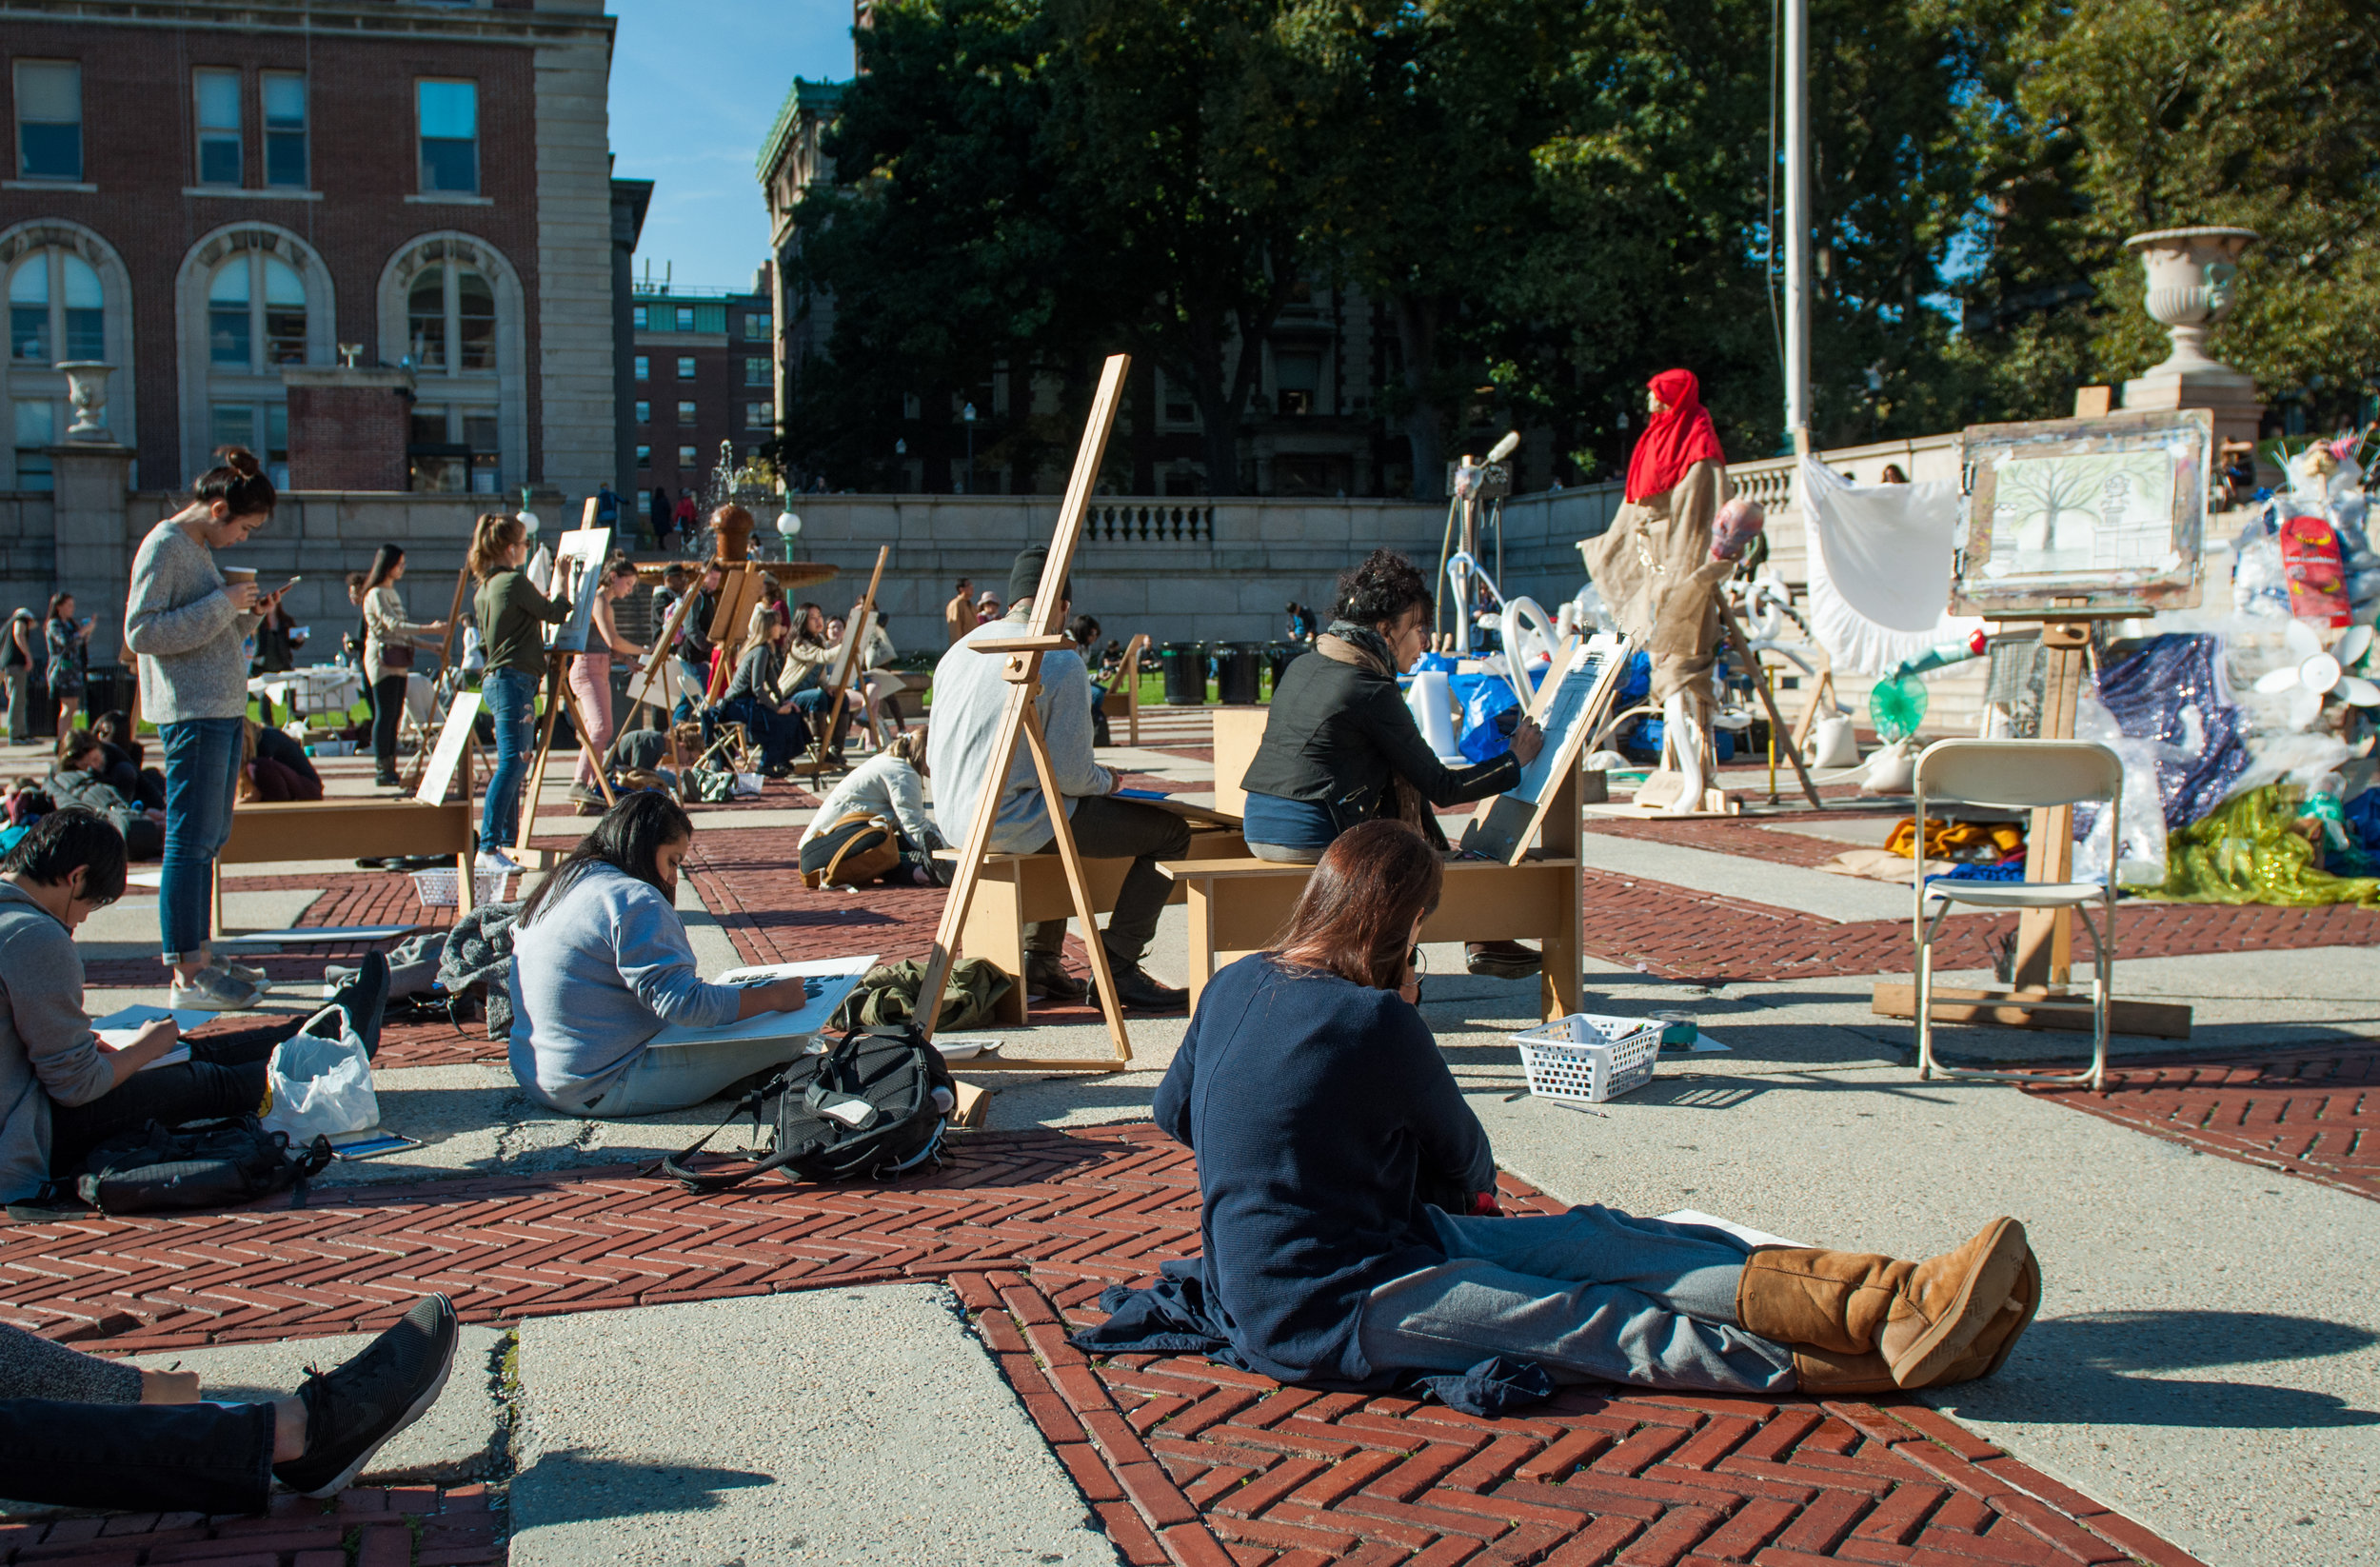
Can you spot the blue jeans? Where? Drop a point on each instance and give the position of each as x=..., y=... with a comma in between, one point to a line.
x=700, y=674
x=1593, y=1295
x=813, y=701
x=781, y=737
x=202, y=778
x=510, y=698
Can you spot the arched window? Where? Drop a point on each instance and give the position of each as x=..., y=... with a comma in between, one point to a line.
x=56, y=309
x=256, y=322
x=57, y=313
x=450, y=320
x=451, y=334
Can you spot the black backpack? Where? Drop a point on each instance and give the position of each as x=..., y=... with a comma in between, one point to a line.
x=199, y=1164
x=874, y=1105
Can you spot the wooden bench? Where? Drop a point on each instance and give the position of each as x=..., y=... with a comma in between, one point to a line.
x=1013, y=890
x=1238, y=905
x=342, y=829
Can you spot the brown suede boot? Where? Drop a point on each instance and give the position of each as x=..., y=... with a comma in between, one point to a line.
x=1948, y=1302
x=1824, y=1373
x=1920, y=1316
x=1835, y=1302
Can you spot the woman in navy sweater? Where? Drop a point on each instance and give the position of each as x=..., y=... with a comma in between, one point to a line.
x=1349, y=1219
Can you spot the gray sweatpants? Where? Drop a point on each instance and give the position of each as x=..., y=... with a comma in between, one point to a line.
x=1592, y=1295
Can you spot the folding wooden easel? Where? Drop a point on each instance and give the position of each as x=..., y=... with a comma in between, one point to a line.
x=560, y=695
x=854, y=649
x=1133, y=649
x=1021, y=719
x=1734, y=633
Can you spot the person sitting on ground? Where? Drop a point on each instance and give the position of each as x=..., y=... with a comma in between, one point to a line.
x=79, y=1431
x=600, y=964
x=80, y=777
x=128, y=759
x=970, y=696
x=1341, y=747
x=890, y=784
x=768, y=719
x=1350, y=1231
x=266, y=771
x=67, y=1090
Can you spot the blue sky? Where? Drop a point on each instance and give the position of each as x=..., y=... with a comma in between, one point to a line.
x=695, y=85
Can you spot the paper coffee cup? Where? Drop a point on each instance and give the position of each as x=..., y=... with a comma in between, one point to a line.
x=239, y=574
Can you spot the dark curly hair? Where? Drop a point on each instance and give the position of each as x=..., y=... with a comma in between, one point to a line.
x=1383, y=588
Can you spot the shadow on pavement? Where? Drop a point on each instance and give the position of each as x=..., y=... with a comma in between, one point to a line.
x=2096, y=1369
x=572, y=1486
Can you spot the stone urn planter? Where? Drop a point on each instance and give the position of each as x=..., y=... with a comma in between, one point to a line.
x=87, y=391
x=2191, y=275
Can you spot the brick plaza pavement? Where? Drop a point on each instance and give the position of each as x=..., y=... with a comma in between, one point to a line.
x=1181, y=1461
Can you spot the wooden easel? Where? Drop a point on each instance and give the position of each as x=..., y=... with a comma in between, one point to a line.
x=2043, y=970
x=1131, y=672
x=1742, y=645
x=1020, y=718
x=854, y=646
x=558, y=682
x=646, y=688
x=445, y=662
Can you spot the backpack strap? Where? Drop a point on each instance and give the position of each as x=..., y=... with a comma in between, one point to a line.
x=861, y=820
x=674, y=1164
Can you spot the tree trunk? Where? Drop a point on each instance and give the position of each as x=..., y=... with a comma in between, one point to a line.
x=1417, y=345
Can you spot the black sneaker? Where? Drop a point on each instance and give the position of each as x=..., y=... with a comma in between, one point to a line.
x=1136, y=989
x=351, y=1412
x=365, y=994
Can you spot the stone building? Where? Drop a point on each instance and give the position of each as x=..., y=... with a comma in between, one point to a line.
x=233, y=203
x=702, y=371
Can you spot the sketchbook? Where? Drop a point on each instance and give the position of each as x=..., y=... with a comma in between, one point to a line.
x=827, y=982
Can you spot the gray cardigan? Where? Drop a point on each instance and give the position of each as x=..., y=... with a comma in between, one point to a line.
x=48, y=1051
x=193, y=661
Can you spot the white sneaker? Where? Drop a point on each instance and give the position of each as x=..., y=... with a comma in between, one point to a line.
x=246, y=973
x=212, y=990
x=494, y=862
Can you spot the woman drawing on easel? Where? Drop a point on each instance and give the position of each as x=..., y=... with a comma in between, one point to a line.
x=509, y=611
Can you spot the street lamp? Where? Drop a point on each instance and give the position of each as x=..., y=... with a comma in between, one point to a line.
x=966, y=417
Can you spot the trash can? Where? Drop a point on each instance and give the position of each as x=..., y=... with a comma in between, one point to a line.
x=1239, y=672
x=107, y=687
x=1184, y=664
x=1277, y=657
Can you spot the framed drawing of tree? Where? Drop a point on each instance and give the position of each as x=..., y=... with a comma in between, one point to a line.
x=2084, y=516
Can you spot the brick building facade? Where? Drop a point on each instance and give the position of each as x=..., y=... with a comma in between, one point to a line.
x=703, y=372
x=208, y=194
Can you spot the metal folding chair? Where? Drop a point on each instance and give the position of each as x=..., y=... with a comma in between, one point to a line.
x=2028, y=774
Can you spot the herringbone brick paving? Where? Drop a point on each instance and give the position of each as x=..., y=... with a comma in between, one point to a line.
x=1182, y=1461
x=364, y=1526
x=2308, y=1114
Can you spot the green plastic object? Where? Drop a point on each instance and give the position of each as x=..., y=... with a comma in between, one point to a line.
x=2249, y=850
x=1895, y=707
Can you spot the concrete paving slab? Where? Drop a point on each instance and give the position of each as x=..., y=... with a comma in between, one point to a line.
x=846, y=1425
x=463, y=1436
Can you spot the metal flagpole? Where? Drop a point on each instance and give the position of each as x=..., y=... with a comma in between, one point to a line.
x=1796, y=71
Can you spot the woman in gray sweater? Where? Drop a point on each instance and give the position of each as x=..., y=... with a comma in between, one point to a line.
x=600, y=964
x=190, y=628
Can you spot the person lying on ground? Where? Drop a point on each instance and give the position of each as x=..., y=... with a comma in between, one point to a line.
x=600, y=963
x=971, y=697
x=1350, y=1228
x=77, y=1431
x=1340, y=746
x=67, y=1090
x=80, y=778
x=889, y=784
x=128, y=772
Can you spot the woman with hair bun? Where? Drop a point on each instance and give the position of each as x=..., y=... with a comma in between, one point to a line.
x=1340, y=746
x=189, y=627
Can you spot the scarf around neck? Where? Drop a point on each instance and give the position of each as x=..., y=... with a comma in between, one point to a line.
x=1348, y=643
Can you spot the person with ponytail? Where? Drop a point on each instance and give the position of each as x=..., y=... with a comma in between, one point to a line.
x=510, y=613
x=389, y=644
x=189, y=627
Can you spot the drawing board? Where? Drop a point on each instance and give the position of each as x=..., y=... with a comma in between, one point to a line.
x=578, y=576
x=1568, y=709
x=2088, y=516
x=447, y=753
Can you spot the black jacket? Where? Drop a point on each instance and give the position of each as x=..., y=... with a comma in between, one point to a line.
x=1338, y=733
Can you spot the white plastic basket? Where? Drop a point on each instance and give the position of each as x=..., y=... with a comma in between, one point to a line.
x=1589, y=1057
x=439, y=888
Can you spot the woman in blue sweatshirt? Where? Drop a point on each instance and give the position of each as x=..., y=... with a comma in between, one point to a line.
x=1349, y=1219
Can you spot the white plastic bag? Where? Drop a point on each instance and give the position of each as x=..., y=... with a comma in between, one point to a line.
x=2142, y=855
x=322, y=1081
